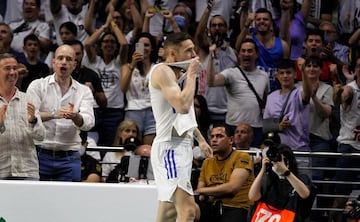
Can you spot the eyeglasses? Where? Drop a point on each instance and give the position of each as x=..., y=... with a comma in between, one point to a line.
x=109, y=41
x=220, y=25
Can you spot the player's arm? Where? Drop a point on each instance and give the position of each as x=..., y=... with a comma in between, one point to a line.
x=164, y=79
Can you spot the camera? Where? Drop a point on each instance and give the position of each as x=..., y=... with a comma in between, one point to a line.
x=272, y=140
x=273, y=153
x=355, y=212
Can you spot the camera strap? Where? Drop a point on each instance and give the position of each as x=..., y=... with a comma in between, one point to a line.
x=285, y=104
x=260, y=101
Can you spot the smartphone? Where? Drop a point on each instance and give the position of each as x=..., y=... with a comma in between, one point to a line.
x=139, y=47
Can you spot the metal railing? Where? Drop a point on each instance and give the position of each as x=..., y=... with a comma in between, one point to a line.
x=329, y=182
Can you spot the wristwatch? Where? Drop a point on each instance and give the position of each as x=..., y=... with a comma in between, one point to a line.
x=286, y=173
x=34, y=121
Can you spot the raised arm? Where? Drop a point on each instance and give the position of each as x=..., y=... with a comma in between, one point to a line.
x=305, y=9
x=245, y=19
x=164, y=79
x=354, y=38
x=90, y=42
x=308, y=90
x=122, y=41
x=285, y=21
x=212, y=79
x=136, y=16
x=201, y=33
x=127, y=71
x=169, y=16
x=89, y=18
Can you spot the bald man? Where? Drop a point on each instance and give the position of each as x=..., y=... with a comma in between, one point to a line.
x=66, y=107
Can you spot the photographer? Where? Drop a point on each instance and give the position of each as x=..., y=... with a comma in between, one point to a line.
x=279, y=191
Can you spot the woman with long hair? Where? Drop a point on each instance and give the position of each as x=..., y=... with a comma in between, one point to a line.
x=127, y=128
x=279, y=189
x=135, y=81
x=106, y=50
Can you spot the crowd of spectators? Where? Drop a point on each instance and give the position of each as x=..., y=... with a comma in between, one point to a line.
x=254, y=55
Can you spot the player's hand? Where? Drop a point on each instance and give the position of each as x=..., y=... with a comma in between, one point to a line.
x=195, y=67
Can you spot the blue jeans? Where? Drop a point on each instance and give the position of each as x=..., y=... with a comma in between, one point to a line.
x=106, y=124
x=346, y=175
x=60, y=168
x=317, y=144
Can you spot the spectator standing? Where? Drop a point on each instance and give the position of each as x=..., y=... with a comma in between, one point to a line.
x=223, y=57
x=244, y=103
x=6, y=37
x=31, y=24
x=314, y=45
x=321, y=105
x=69, y=10
x=292, y=24
x=348, y=138
x=68, y=32
x=225, y=177
x=172, y=98
x=271, y=48
x=36, y=68
x=135, y=83
x=20, y=124
x=335, y=52
x=90, y=78
x=294, y=125
x=112, y=47
x=66, y=107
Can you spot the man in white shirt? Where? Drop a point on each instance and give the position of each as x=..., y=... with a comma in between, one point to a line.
x=66, y=107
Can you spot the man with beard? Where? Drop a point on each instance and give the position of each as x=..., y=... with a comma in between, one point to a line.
x=226, y=179
x=70, y=10
x=271, y=48
x=172, y=87
x=243, y=105
x=223, y=57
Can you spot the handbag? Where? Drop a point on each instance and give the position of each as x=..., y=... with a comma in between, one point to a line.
x=260, y=101
x=272, y=124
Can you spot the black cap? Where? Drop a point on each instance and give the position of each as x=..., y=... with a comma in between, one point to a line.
x=271, y=138
x=131, y=143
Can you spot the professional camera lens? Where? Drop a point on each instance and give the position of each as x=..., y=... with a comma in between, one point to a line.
x=273, y=154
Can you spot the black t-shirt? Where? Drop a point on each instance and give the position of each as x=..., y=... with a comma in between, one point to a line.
x=40, y=70
x=281, y=195
x=88, y=75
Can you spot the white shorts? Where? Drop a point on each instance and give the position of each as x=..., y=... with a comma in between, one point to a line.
x=172, y=164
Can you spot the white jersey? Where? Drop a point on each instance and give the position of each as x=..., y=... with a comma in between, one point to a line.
x=350, y=120
x=166, y=116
